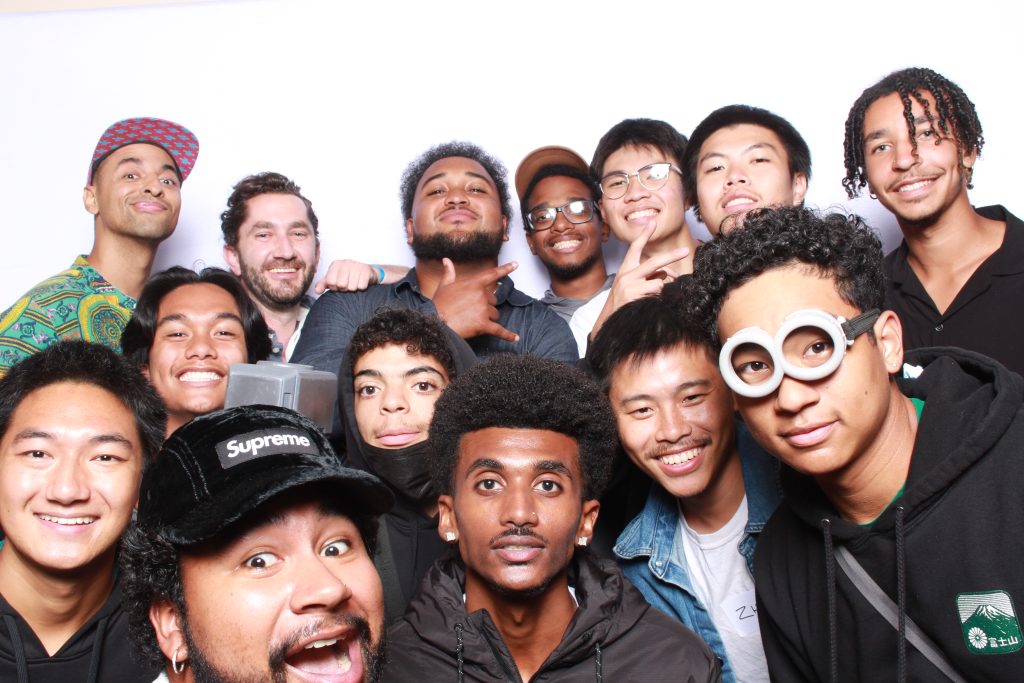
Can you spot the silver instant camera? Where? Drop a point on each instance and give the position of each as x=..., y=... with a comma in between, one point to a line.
x=289, y=385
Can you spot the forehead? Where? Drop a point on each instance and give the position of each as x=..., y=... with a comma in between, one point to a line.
x=630, y=158
x=394, y=358
x=767, y=299
x=675, y=365
x=72, y=404
x=558, y=189
x=886, y=113
x=145, y=152
x=275, y=207
x=197, y=300
x=518, y=449
x=740, y=137
x=451, y=168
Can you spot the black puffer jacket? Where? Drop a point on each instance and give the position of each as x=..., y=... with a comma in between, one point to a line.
x=948, y=552
x=614, y=636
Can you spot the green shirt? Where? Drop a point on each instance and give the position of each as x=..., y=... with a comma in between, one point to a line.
x=76, y=304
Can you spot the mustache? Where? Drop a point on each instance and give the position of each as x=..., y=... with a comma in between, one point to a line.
x=359, y=625
x=294, y=262
x=520, y=531
x=682, y=444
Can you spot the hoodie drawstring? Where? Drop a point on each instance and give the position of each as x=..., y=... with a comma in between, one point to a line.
x=830, y=581
x=901, y=599
x=459, y=646
x=599, y=674
x=19, y=648
x=97, y=650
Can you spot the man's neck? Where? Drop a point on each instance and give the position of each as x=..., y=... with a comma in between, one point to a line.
x=531, y=629
x=584, y=285
x=671, y=241
x=945, y=253
x=282, y=321
x=430, y=272
x=55, y=605
x=710, y=510
x=124, y=262
x=862, y=491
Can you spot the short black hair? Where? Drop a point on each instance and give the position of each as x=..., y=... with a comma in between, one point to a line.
x=81, y=362
x=642, y=328
x=639, y=133
x=415, y=170
x=797, y=151
x=524, y=392
x=552, y=171
x=420, y=334
x=954, y=115
x=139, y=333
x=838, y=246
x=151, y=569
x=253, y=186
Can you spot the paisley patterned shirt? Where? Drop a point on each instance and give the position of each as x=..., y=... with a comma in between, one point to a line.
x=75, y=304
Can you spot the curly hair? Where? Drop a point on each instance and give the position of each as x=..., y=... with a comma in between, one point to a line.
x=838, y=246
x=78, y=361
x=253, y=186
x=414, y=172
x=524, y=392
x=733, y=115
x=638, y=133
x=954, y=115
x=139, y=333
x=151, y=567
x=421, y=334
x=552, y=171
x=644, y=327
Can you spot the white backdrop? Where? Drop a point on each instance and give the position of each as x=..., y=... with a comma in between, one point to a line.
x=341, y=97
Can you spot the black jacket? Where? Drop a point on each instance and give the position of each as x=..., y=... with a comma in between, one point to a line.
x=98, y=653
x=959, y=527
x=614, y=636
x=407, y=540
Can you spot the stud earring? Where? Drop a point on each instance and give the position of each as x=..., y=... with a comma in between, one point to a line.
x=449, y=536
x=582, y=541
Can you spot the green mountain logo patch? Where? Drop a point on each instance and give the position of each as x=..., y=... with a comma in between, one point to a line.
x=989, y=622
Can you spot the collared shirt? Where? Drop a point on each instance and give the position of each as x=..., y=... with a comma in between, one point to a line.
x=278, y=351
x=985, y=314
x=77, y=303
x=645, y=547
x=565, y=306
x=335, y=316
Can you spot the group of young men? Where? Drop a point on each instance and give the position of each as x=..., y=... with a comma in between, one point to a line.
x=484, y=511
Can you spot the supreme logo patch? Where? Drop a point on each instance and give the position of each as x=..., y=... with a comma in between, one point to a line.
x=264, y=442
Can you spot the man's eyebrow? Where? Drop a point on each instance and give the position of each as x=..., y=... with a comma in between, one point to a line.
x=423, y=369
x=138, y=161
x=553, y=466
x=112, y=437
x=685, y=386
x=549, y=205
x=756, y=145
x=369, y=372
x=178, y=317
x=485, y=464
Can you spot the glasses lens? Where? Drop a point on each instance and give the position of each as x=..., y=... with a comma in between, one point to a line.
x=542, y=219
x=752, y=363
x=579, y=211
x=655, y=175
x=614, y=186
x=808, y=347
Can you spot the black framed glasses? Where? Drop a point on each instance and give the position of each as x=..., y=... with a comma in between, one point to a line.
x=577, y=211
x=651, y=176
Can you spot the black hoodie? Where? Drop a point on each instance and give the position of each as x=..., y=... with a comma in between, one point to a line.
x=614, y=636
x=98, y=653
x=407, y=542
x=949, y=551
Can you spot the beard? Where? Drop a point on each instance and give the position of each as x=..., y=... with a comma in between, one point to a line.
x=463, y=248
x=203, y=671
x=571, y=271
x=277, y=296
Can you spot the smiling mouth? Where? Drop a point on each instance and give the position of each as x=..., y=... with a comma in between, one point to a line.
x=329, y=659
x=67, y=521
x=200, y=376
x=566, y=245
x=910, y=187
x=680, y=458
x=739, y=202
x=646, y=213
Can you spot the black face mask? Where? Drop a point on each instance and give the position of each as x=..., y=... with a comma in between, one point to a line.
x=404, y=468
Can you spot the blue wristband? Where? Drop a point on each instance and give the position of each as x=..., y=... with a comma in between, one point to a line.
x=380, y=273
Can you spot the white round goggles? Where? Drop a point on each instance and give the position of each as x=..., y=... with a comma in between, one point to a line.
x=809, y=345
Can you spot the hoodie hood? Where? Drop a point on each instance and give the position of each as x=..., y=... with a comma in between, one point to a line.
x=403, y=469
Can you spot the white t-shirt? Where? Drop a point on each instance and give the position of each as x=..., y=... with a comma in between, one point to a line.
x=723, y=584
x=582, y=321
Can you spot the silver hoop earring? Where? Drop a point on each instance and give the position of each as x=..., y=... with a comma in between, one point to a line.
x=872, y=195
x=176, y=666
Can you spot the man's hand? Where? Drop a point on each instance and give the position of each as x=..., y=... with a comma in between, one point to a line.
x=347, y=275
x=468, y=305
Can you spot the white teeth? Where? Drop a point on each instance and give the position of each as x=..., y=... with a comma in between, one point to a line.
x=68, y=521
x=196, y=376
x=344, y=663
x=680, y=458
x=738, y=201
x=914, y=186
x=283, y=270
x=322, y=643
x=646, y=213
x=567, y=244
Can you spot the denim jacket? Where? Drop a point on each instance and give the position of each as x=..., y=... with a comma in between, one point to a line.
x=644, y=548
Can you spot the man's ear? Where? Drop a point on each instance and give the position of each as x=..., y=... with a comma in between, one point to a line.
x=231, y=258
x=504, y=228
x=408, y=231
x=447, y=525
x=889, y=337
x=92, y=204
x=145, y=372
x=591, y=509
x=170, y=636
x=530, y=237
x=799, y=188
